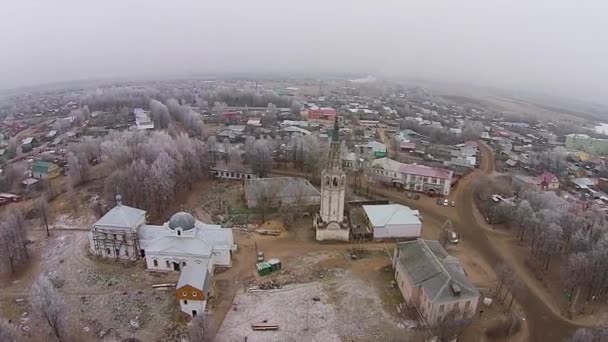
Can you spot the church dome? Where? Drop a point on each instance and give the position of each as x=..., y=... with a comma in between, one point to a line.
x=182, y=220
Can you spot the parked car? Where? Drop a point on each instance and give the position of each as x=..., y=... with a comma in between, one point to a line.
x=452, y=204
x=408, y=195
x=439, y=201
x=416, y=197
x=453, y=237
x=446, y=202
x=260, y=256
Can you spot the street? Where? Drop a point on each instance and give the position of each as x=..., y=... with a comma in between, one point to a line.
x=544, y=324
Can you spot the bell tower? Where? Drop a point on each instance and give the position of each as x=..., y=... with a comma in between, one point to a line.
x=330, y=223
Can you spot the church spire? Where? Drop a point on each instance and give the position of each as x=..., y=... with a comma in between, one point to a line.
x=334, y=161
x=336, y=133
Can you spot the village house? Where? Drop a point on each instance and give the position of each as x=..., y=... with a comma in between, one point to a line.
x=192, y=290
x=392, y=221
x=433, y=281
x=142, y=119
x=227, y=171
x=412, y=177
x=45, y=170
x=374, y=148
x=544, y=182
x=322, y=113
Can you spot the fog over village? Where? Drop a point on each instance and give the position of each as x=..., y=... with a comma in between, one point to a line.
x=303, y=171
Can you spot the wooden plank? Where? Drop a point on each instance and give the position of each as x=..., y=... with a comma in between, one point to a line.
x=264, y=326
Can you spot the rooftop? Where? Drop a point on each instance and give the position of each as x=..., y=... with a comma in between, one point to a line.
x=121, y=216
x=390, y=214
x=413, y=169
x=195, y=275
x=429, y=266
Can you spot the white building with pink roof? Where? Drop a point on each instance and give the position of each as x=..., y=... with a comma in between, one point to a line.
x=412, y=177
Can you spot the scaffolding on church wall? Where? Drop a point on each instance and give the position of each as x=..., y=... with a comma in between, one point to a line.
x=113, y=240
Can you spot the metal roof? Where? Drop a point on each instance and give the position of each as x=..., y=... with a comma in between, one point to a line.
x=390, y=214
x=195, y=275
x=121, y=216
x=412, y=169
x=429, y=266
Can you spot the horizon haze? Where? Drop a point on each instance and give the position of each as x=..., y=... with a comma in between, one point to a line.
x=545, y=47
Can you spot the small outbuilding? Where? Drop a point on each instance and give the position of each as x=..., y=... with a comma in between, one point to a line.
x=192, y=289
x=393, y=221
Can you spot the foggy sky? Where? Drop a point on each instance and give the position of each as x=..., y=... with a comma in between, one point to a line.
x=550, y=46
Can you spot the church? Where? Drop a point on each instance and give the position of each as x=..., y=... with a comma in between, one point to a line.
x=330, y=223
x=182, y=244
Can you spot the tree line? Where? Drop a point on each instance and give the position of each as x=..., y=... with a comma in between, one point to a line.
x=551, y=228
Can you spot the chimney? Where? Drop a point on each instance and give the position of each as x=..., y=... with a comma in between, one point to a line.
x=118, y=200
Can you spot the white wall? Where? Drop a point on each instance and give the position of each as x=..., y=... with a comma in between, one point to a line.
x=162, y=262
x=333, y=234
x=398, y=231
x=198, y=305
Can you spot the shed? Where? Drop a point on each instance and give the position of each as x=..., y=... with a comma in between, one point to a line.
x=393, y=221
x=44, y=170
x=275, y=264
x=264, y=268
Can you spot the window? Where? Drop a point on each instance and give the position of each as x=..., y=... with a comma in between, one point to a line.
x=108, y=251
x=441, y=307
x=117, y=252
x=467, y=304
x=124, y=237
x=184, y=293
x=155, y=263
x=456, y=305
x=183, y=264
x=179, y=232
x=194, y=294
x=126, y=252
x=185, y=302
x=167, y=263
x=114, y=236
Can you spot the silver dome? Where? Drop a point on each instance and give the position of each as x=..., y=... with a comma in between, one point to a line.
x=182, y=220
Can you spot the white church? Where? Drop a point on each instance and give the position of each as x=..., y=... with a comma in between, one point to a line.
x=182, y=243
x=330, y=223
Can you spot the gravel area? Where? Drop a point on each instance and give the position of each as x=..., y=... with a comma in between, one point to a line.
x=337, y=308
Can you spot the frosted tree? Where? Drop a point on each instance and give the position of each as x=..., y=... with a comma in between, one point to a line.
x=159, y=113
x=260, y=159
x=49, y=304
x=296, y=108
x=41, y=206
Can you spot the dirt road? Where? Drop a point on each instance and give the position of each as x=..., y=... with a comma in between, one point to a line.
x=545, y=324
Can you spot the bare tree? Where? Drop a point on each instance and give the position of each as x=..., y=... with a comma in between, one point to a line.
x=260, y=159
x=13, y=249
x=504, y=276
x=296, y=108
x=199, y=329
x=265, y=197
x=159, y=113
x=14, y=175
x=86, y=113
x=41, y=205
x=50, y=305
